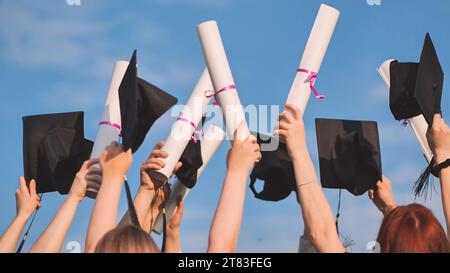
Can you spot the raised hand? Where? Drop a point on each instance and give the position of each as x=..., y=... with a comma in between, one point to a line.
x=382, y=196
x=291, y=130
x=243, y=154
x=154, y=162
x=27, y=200
x=439, y=139
x=88, y=176
x=114, y=161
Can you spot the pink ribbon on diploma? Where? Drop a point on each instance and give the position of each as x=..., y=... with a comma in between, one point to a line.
x=312, y=77
x=198, y=132
x=115, y=125
x=211, y=93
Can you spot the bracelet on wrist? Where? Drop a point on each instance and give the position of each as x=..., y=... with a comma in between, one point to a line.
x=437, y=169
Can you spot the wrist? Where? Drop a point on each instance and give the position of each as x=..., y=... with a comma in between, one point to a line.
x=300, y=156
x=238, y=172
x=388, y=208
x=113, y=177
x=23, y=216
x=73, y=198
x=440, y=157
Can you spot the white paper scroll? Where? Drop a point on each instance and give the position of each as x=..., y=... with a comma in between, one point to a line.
x=222, y=79
x=110, y=123
x=313, y=55
x=209, y=145
x=184, y=127
x=418, y=124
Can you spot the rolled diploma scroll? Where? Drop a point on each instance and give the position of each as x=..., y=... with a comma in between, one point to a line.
x=418, y=123
x=209, y=145
x=313, y=55
x=222, y=79
x=183, y=128
x=110, y=123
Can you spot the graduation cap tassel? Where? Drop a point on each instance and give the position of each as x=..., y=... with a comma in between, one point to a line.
x=163, y=247
x=131, y=209
x=421, y=186
x=25, y=236
x=338, y=212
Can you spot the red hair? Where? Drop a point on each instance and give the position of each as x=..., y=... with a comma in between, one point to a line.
x=412, y=229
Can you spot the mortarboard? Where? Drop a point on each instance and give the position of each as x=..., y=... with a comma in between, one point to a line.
x=191, y=159
x=141, y=104
x=276, y=170
x=429, y=83
x=416, y=88
x=54, y=149
x=349, y=154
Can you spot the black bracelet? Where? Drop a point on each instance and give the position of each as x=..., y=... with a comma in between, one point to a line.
x=437, y=169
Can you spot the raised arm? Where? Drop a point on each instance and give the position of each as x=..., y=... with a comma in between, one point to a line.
x=226, y=224
x=146, y=202
x=52, y=239
x=27, y=201
x=317, y=214
x=115, y=164
x=173, y=240
x=382, y=196
x=439, y=139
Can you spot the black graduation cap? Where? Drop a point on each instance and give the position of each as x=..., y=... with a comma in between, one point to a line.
x=141, y=104
x=430, y=81
x=54, y=149
x=416, y=88
x=276, y=170
x=349, y=154
x=192, y=161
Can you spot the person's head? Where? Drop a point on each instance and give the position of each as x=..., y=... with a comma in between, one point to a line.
x=126, y=239
x=412, y=229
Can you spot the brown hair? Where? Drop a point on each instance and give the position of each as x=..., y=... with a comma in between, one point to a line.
x=126, y=239
x=412, y=229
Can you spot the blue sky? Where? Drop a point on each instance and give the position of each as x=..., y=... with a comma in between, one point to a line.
x=57, y=58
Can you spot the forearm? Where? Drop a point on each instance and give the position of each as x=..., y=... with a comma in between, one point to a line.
x=142, y=202
x=227, y=220
x=445, y=193
x=104, y=213
x=52, y=239
x=173, y=244
x=11, y=237
x=317, y=214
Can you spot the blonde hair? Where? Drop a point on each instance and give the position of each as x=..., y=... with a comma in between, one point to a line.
x=126, y=239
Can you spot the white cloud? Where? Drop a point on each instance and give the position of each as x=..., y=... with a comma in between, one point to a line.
x=33, y=40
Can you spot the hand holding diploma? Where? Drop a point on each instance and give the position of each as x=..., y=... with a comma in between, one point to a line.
x=109, y=126
x=183, y=129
